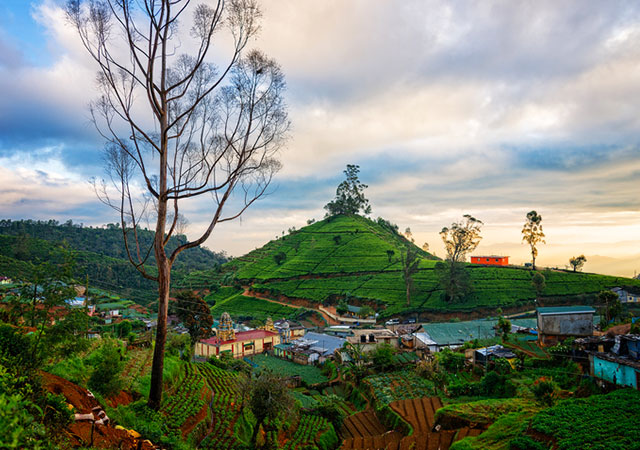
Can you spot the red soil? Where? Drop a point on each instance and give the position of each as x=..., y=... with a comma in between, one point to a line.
x=79, y=433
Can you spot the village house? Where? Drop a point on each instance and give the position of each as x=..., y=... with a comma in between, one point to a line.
x=237, y=344
x=627, y=294
x=293, y=330
x=370, y=339
x=491, y=260
x=621, y=365
x=560, y=322
x=313, y=348
x=436, y=336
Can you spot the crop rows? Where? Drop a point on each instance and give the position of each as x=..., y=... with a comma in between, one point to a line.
x=403, y=385
x=598, y=422
x=186, y=401
x=308, y=429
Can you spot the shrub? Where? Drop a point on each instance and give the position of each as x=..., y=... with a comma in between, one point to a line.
x=545, y=391
x=105, y=378
x=525, y=443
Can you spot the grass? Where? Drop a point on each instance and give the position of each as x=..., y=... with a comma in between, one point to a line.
x=309, y=374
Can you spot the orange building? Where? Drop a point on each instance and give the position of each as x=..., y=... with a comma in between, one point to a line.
x=492, y=260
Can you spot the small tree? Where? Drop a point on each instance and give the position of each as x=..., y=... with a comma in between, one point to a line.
x=195, y=315
x=390, y=254
x=350, y=197
x=459, y=239
x=366, y=311
x=382, y=357
x=538, y=283
x=342, y=308
x=408, y=234
x=425, y=247
x=577, y=262
x=105, y=377
x=504, y=326
x=410, y=263
x=337, y=239
x=269, y=399
x=532, y=234
x=279, y=258
x=612, y=308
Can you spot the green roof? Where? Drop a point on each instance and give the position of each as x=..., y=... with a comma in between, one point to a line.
x=456, y=333
x=566, y=310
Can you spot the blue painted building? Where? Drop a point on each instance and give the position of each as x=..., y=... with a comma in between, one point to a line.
x=615, y=369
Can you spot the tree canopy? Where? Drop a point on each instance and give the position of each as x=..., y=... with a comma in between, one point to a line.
x=350, y=197
x=577, y=262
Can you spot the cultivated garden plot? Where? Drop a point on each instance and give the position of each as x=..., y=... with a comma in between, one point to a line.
x=402, y=385
x=310, y=375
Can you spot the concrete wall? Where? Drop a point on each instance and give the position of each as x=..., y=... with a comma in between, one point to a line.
x=566, y=324
x=613, y=372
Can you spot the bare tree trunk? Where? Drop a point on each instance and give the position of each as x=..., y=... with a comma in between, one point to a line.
x=164, y=275
x=164, y=283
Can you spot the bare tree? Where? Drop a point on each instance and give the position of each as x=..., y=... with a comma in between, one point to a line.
x=178, y=127
x=532, y=234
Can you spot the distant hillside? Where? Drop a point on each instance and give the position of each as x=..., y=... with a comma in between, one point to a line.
x=350, y=256
x=100, y=254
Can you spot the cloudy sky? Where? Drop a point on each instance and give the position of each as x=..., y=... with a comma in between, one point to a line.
x=491, y=108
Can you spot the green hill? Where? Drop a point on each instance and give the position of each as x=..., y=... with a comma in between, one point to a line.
x=359, y=259
x=98, y=253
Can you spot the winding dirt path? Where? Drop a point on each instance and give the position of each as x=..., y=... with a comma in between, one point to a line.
x=249, y=293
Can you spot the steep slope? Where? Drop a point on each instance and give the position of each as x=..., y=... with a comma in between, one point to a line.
x=359, y=259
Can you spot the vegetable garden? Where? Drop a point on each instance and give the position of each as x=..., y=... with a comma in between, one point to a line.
x=309, y=374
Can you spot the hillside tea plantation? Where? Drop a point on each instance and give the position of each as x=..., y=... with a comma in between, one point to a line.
x=352, y=256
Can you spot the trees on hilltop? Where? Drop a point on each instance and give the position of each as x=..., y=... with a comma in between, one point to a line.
x=350, y=197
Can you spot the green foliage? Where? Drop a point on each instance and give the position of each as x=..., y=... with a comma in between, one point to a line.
x=454, y=280
x=450, y=360
x=279, y=258
x=108, y=364
x=350, y=197
x=382, y=357
x=195, y=315
x=309, y=374
x=526, y=443
x=99, y=253
x=598, y=422
x=538, y=282
x=401, y=385
x=504, y=325
x=325, y=273
x=270, y=400
x=18, y=427
x=545, y=391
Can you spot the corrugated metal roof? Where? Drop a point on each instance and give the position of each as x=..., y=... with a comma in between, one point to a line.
x=549, y=310
x=456, y=333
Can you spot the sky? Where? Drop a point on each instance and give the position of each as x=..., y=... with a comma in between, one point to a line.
x=491, y=108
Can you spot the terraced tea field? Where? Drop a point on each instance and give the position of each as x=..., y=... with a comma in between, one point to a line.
x=359, y=258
